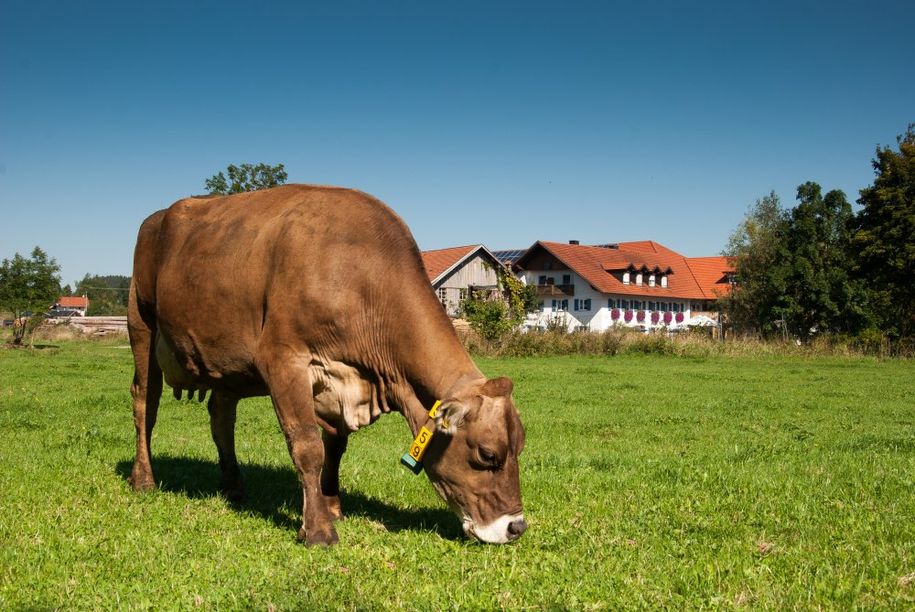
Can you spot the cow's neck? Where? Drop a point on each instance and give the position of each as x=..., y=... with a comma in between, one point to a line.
x=435, y=368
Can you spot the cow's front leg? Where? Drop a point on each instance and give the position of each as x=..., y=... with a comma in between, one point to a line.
x=290, y=390
x=222, y=409
x=334, y=447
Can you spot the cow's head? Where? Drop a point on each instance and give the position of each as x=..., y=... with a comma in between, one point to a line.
x=472, y=460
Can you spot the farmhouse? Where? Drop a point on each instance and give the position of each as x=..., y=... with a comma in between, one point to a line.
x=455, y=271
x=636, y=284
x=79, y=303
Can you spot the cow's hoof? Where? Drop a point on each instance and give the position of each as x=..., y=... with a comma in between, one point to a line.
x=317, y=537
x=142, y=482
x=233, y=492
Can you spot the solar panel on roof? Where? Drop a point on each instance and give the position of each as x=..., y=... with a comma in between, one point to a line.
x=509, y=255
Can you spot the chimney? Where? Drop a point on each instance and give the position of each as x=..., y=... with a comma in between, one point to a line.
x=573, y=242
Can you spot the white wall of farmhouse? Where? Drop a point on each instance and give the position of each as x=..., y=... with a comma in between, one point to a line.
x=585, y=308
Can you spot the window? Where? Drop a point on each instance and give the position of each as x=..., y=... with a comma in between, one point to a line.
x=565, y=304
x=550, y=281
x=586, y=304
x=443, y=296
x=664, y=281
x=625, y=305
x=541, y=280
x=566, y=279
x=462, y=294
x=636, y=304
x=663, y=306
x=651, y=306
x=625, y=278
x=548, y=265
x=638, y=278
x=651, y=281
x=576, y=304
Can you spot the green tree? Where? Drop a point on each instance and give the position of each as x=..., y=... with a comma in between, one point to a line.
x=28, y=285
x=759, y=250
x=793, y=270
x=246, y=177
x=107, y=294
x=884, y=238
x=820, y=294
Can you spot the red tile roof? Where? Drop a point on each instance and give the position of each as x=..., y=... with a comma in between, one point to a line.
x=595, y=264
x=74, y=301
x=440, y=261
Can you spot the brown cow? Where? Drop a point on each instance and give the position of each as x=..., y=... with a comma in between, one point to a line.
x=316, y=296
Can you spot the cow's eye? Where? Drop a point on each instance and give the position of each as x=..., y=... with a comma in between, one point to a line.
x=488, y=458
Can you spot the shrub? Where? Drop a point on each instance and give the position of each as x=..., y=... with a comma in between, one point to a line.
x=489, y=318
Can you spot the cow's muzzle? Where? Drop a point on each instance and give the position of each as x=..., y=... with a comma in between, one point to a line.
x=504, y=529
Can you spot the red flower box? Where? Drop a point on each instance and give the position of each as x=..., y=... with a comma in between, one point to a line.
x=668, y=317
x=640, y=317
x=628, y=316
x=655, y=317
x=615, y=314
x=679, y=317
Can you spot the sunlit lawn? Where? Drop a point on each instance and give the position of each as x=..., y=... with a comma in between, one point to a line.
x=648, y=481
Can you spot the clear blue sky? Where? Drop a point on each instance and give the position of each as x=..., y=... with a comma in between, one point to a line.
x=500, y=123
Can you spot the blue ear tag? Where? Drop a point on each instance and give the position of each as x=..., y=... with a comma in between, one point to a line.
x=412, y=464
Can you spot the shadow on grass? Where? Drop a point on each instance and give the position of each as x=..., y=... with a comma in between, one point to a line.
x=37, y=347
x=275, y=494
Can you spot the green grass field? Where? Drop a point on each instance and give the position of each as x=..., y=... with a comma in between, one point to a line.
x=648, y=482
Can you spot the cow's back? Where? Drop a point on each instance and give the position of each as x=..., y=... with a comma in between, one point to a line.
x=319, y=264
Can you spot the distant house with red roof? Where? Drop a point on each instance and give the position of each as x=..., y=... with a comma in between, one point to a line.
x=453, y=272
x=638, y=284
x=79, y=303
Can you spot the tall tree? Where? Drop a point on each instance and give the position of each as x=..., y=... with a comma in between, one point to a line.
x=107, y=294
x=759, y=250
x=28, y=285
x=884, y=239
x=793, y=271
x=820, y=294
x=247, y=177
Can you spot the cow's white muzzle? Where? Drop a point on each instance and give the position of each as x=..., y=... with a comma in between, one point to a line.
x=504, y=529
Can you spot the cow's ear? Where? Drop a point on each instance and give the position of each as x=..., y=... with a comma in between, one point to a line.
x=498, y=387
x=450, y=416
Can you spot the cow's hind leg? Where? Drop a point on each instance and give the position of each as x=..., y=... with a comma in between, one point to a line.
x=290, y=390
x=334, y=447
x=146, y=391
x=222, y=409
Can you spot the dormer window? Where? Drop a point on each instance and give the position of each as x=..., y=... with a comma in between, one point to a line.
x=664, y=281
x=625, y=278
x=651, y=280
x=638, y=279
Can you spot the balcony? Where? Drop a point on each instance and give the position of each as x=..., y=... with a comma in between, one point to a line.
x=556, y=291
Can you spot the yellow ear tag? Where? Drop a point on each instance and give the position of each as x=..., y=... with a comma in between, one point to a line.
x=413, y=457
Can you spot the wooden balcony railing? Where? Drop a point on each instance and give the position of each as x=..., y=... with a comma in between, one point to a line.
x=555, y=291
